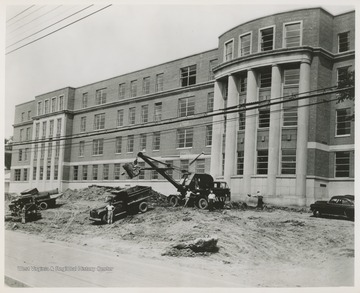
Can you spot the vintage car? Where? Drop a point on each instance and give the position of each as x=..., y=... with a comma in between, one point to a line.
x=339, y=205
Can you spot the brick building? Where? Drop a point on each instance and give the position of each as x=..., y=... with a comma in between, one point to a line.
x=293, y=151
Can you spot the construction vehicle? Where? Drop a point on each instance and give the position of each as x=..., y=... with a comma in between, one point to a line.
x=43, y=199
x=125, y=201
x=199, y=184
x=24, y=207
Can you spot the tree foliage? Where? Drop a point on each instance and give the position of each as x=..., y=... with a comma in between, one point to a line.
x=347, y=81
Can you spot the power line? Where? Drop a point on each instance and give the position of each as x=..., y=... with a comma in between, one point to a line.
x=20, y=13
x=51, y=25
x=58, y=29
x=177, y=120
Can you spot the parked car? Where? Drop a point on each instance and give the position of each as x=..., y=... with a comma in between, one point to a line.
x=339, y=205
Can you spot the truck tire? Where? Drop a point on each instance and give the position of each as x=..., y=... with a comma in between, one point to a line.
x=143, y=207
x=43, y=205
x=317, y=213
x=174, y=200
x=202, y=203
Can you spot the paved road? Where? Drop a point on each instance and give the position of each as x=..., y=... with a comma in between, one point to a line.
x=37, y=262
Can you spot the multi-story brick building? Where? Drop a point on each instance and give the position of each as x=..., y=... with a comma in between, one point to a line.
x=292, y=150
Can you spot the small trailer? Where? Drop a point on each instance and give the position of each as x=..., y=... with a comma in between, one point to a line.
x=43, y=199
x=125, y=201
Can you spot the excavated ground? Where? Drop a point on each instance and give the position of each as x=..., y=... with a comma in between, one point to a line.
x=274, y=247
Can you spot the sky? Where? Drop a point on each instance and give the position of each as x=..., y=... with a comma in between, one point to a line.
x=116, y=40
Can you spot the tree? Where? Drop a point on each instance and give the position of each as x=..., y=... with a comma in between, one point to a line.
x=347, y=81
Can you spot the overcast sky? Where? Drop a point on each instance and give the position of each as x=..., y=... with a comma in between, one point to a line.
x=114, y=41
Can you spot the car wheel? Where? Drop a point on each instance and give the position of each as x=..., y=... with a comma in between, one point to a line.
x=43, y=205
x=143, y=207
x=317, y=213
x=104, y=218
x=348, y=215
x=202, y=203
x=173, y=200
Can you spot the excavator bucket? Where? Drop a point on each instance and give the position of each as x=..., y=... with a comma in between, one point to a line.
x=132, y=170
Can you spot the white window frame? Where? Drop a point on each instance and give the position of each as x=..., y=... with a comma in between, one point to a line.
x=284, y=35
x=243, y=35
x=259, y=37
x=232, y=52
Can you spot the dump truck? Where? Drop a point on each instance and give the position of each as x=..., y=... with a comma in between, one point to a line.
x=24, y=207
x=125, y=201
x=199, y=184
x=43, y=199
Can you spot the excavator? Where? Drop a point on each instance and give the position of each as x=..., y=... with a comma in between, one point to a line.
x=198, y=184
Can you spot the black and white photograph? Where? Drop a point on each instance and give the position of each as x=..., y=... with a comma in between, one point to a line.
x=181, y=145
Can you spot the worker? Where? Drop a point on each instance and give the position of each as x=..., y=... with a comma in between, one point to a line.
x=187, y=197
x=110, y=211
x=23, y=215
x=211, y=200
x=260, y=199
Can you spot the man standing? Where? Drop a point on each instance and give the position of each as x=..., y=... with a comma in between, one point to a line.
x=187, y=197
x=110, y=210
x=211, y=200
x=260, y=202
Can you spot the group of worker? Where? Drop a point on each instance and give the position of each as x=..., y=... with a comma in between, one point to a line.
x=211, y=199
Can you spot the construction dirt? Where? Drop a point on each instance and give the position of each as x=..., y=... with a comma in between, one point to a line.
x=274, y=247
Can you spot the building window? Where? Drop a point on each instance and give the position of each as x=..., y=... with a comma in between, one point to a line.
x=84, y=172
x=130, y=143
x=342, y=74
x=58, y=125
x=118, y=145
x=229, y=51
x=26, y=175
x=39, y=105
x=36, y=150
x=159, y=86
x=37, y=131
x=184, y=138
x=41, y=173
x=343, y=122
x=44, y=126
x=291, y=77
x=342, y=164
x=81, y=148
x=51, y=128
x=98, y=146
x=106, y=172
x=17, y=174
x=99, y=121
x=210, y=102
x=26, y=152
x=208, y=135
x=82, y=124
x=34, y=173
x=262, y=161
x=292, y=35
x=75, y=172
x=53, y=104
x=132, y=116
x=42, y=151
x=344, y=42
x=56, y=172
x=61, y=103
x=49, y=150
x=200, y=166
x=264, y=117
x=84, y=101
x=212, y=64
x=156, y=141
x=21, y=135
x=100, y=97
x=133, y=88
x=267, y=39
x=48, y=172
x=265, y=77
x=142, y=172
x=242, y=119
x=146, y=85
x=240, y=163
x=288, y=161
x=186, y=106
x=143, y=141
x=121, y=91
x=20, y=155
x=157, y=111
x=188, y=75
x=57, y=149
x=117, y=171
x=120, y=118
x=245, y=44
x=22, y=116
x=95, y=169
x=46, y=107
x=144, y=113
x=28, y=133
x=184, y=165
